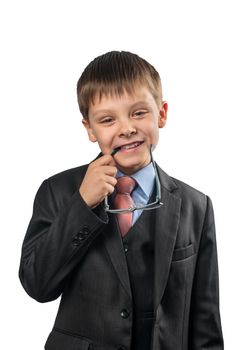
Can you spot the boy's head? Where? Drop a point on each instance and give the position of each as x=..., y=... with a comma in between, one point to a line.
x=114, y=73
x=120, y=98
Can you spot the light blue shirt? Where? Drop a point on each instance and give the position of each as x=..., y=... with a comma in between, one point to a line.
x=145, y=179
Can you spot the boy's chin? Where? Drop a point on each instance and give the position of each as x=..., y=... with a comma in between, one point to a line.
x=130, y=169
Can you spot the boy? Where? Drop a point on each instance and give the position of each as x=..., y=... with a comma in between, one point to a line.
x=131, y=250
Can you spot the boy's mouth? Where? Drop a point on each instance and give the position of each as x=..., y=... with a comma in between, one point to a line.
x=128, y=146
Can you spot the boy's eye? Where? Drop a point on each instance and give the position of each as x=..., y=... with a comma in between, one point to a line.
x=139, y=113
x=106, y=120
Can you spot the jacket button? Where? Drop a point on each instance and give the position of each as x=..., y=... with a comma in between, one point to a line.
x=124, y=313
x=76, y=240
x=79, y=237
x=126, y=248
x=85, y=230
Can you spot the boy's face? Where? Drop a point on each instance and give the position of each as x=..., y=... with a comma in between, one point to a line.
x=130, y=122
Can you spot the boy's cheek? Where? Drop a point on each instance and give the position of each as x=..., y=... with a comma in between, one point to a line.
x=104, y=149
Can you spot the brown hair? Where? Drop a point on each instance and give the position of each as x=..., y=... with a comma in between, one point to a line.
x=114, y=73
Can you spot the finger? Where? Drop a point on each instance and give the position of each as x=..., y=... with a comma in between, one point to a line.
x=106, y=159
x=110, y=170
x=110, y=190
x=110, y=180
x=107, y=185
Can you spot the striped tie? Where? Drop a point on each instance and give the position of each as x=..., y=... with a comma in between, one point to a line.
x=124, y=187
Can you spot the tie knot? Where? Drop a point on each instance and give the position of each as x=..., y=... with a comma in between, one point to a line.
x=125, y=184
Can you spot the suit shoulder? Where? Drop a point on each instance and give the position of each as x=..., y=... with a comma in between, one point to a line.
x=70, y=178
x=187, y=188
x=69, y=173
x=191, y=194
x=177, y=186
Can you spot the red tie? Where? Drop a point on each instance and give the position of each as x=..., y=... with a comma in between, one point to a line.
x=125, y=185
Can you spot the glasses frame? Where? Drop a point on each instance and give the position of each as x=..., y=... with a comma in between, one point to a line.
x=154, y=205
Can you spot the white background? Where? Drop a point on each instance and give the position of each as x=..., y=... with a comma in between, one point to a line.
x=45, y=45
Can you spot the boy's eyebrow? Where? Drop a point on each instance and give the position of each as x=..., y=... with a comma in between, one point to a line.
x=142, y=102
x=134, y=105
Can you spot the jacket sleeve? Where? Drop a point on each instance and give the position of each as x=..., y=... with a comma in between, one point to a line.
x=206, y=332
x=58, y=236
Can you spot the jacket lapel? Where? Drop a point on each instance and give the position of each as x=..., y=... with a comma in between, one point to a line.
x=166, y=224
x=115, y=249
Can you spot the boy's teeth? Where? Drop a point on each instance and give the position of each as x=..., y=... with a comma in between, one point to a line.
x=133, y=145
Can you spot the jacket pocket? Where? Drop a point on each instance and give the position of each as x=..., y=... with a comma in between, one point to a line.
x=183, y=253
x=60, y=340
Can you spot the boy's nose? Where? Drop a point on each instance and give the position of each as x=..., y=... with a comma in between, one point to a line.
x=127, y=129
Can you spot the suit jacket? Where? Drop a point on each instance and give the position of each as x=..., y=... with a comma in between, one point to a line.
x=69, y=250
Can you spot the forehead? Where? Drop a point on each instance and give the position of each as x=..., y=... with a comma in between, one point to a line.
x=140, y=95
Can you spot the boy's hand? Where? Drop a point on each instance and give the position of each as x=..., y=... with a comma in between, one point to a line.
x=99, y=180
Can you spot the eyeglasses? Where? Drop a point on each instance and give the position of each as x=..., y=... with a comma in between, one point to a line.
x=137, y=206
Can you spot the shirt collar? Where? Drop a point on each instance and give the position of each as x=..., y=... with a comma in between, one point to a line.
x=144, y=177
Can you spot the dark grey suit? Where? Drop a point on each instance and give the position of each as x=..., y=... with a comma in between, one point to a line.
x=72, y=250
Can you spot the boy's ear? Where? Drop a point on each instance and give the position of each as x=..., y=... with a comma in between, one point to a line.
x=163, y=114
x=87, y=126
